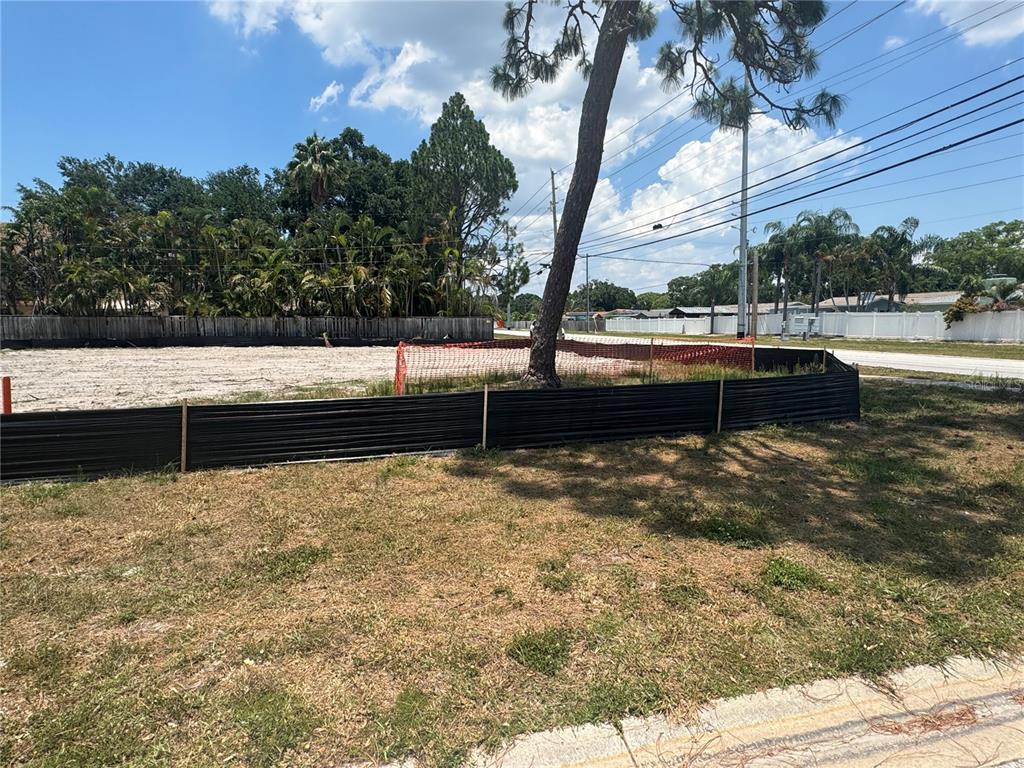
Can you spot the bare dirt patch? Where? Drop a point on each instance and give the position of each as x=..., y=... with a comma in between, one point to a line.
x=70, y=379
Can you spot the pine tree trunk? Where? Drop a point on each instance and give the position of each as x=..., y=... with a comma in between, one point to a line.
x=619, y=19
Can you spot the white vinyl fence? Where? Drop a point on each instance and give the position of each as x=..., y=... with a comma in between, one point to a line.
x=982, y=326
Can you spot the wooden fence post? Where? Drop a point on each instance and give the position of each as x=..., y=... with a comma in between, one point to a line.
x=483, y=439
x=6, y=396
x=184, y=436
x=721, y=398
x=650, y=364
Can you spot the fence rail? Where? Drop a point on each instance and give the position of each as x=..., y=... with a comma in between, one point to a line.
x=80, y=444
x=177, y=330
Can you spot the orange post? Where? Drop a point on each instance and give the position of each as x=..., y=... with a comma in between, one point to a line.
x=6, y=395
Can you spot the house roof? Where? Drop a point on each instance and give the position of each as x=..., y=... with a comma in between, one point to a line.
x=925, y=297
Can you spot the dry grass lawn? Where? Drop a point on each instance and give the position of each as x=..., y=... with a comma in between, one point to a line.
x=313, y=614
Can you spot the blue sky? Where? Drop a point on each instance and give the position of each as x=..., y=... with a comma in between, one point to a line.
x=205, y=86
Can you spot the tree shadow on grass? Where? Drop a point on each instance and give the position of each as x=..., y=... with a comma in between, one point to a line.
x=907, y=487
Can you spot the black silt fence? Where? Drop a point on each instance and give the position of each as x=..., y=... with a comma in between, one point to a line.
x=69, y=444
x=72, y=444
x=349, y=428
x=531, y=418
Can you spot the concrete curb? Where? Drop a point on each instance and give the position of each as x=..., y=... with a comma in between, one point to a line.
x=966, y=712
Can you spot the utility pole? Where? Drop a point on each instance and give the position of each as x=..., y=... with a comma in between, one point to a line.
x=508, y=274
x=586, y=260
x=753, y=295
x=554, y=215
x=741, y=303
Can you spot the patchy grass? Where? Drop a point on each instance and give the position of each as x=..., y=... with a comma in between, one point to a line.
x=324, y=613
x=545, y=652
x=556, y=575
x=287, y=565
x=1005, y=383
x=788, y=574
x=275, y=722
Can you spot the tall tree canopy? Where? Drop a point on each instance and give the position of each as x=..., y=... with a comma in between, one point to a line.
x=343, y=229
x=767, y=38
x=604, y=297
x=459, y=176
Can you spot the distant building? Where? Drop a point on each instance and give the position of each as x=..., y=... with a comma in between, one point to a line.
x=928, y=301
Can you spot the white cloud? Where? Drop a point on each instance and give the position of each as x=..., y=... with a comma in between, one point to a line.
x=893, y=41
x=979, y=25
x=328, y=96
x=248, y=18
x=412, y=61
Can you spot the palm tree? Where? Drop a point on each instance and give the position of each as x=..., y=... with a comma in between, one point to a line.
x=821, y=235
x=715, y=285
x=893, y=249
x=315, y=167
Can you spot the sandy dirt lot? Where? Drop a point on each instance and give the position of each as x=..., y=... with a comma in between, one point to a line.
x=70, y=379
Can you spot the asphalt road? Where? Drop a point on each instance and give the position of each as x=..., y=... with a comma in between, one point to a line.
x=966, y=366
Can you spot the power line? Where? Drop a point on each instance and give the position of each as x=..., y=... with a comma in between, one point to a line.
x=861, y=159
x=888, y=65
x=833, y=138
x=829, y=43
x=847, y=182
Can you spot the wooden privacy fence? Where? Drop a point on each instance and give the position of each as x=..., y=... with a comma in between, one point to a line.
x=72, y=444
x=177, y=330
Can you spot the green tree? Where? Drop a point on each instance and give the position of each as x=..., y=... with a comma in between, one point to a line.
x=683, y=291
x=717, y=285
x=240, y=193
x=460, y=180
x=314, y=169
x=768, y=39
x=525, y=306
x=994, y=249
x=604, y=297
x=653, y=300
x=893, y=250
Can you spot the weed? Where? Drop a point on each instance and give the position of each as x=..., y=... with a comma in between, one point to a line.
x=546, y=651
x=274, y=721
x=412, y=725
x=734, y=532
x=288, y=565
x=555, y=574
x=612, y=699
x=789, y=574
x=35, y=493
x=625, y=576
x=681, y=594
x=45, y=663
x=400, y=466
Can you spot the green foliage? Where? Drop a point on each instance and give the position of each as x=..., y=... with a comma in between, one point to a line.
x=789, y=574
x=526, y=306
x=959, y=309
x=287, y=565
x=994, y=249
x=555, y=574
x=342, y=230
x=274, y=721
x=653, y=300
x=546, y=651
x=460, y=181
x=604, y=296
